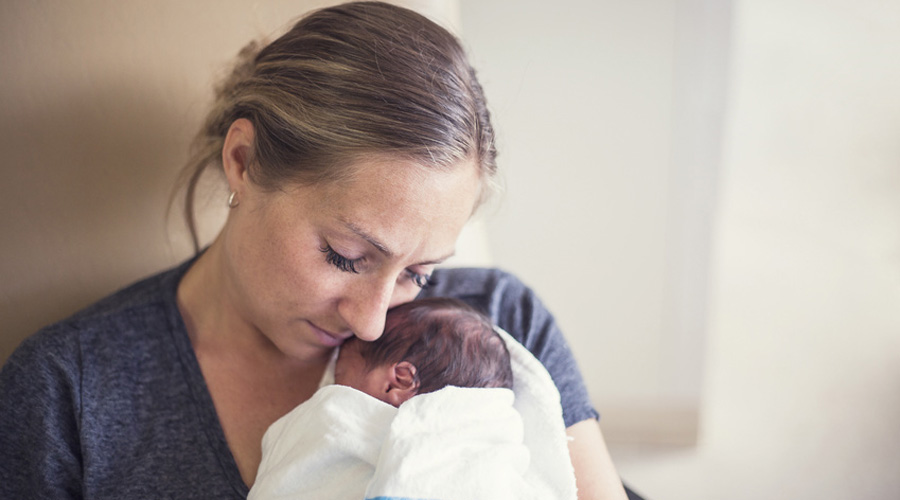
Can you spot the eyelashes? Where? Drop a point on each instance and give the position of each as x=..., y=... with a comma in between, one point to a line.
x=339, y=261
x=350, y=266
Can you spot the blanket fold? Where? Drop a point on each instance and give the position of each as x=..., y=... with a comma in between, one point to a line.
x=454, y=444
x=326, y=448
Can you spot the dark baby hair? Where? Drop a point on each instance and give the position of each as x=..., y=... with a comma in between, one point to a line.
x=448, y=342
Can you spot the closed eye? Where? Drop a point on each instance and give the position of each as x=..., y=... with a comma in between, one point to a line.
x=339, y=261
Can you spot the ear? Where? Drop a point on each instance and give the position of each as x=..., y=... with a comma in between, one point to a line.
x=403, y=383
x=236, y=155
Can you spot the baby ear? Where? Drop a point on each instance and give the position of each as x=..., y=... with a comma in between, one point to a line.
x=403, y=383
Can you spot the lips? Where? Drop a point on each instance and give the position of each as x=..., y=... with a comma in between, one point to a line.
x=327, y=338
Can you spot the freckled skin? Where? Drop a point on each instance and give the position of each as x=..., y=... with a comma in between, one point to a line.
x=279, y=277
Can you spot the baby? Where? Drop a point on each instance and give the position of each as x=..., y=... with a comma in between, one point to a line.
x=367, y=437
x=427, y=344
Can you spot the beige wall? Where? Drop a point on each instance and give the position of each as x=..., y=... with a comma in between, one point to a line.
x=99, y=100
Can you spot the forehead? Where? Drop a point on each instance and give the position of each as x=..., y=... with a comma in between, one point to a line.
x=392, y=181
x=398, y=199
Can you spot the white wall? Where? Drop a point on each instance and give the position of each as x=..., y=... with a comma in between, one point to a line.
x=802, y=386
x=609, y=115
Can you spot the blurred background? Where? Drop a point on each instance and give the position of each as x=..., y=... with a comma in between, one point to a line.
x=706, y=193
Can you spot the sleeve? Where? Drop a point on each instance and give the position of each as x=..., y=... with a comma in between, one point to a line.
x=518, y=310
x=40, y=455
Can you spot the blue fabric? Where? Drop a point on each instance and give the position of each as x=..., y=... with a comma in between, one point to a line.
x=515, y=308
x=111, y=403
x=396, y=498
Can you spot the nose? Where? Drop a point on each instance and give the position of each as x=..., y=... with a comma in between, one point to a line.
x=365, y=306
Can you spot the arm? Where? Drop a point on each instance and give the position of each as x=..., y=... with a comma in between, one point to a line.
x=595, y=474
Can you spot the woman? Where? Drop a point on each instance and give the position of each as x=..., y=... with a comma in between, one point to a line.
x=355, y=147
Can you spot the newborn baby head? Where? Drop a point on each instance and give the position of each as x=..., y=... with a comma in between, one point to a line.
x=427, y=344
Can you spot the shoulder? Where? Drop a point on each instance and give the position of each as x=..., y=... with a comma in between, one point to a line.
x=491, y=290
x=472, y=282
x=46, y=361
x=502, y=296
x=82, y=385
x=150, y=292
x=60, y=347
x=514, y=307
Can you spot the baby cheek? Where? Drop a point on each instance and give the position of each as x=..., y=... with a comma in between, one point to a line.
x=345, y=369
x=340, y=371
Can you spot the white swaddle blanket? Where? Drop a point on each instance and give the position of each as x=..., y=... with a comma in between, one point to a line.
x=452, y=444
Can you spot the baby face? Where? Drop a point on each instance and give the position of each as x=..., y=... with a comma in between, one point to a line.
x=351, y=370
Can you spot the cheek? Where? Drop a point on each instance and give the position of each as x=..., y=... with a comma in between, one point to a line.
x=296, y=271
x=282, y=276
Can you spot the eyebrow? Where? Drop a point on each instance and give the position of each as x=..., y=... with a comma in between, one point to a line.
x=382, y=247
x=368, y=237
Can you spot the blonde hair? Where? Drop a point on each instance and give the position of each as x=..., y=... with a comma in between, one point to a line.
x=345, y=81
